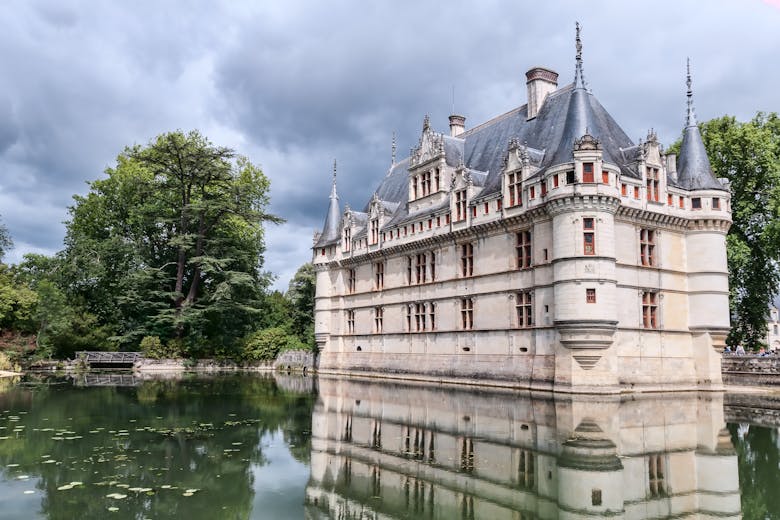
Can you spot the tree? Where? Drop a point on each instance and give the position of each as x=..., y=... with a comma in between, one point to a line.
x=6, y=244
x=300, y=293
x=748, y=155
x=170, y=244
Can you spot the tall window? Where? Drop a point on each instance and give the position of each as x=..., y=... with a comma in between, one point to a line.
x=570, y=178
x=409, y=279
x=408, y=318
x=379, y=315
x=605, y=177
x=526, y=470
x=590, y=295
x=351, y=280
x=379, y=276
x=350, y=322
x=419, y=317
x=515, y=195
x=374, y=230
x=436, y=179
x=466, y=259
x=426, y=183
x=460, y=204
x=467, y=313
x=649, y=310
x=432, y=315
x=636, y=192
x=656, y=476
x=524, y=308
x=347, y=238
x=696, y=203
x=587, y=172
x=652, y=184
x=588, y=236
x=647, y=246
x=523, y=249
x=433, y=266
x=415, y=182
x=555, y=180
x=715, y=203
x=420, y=269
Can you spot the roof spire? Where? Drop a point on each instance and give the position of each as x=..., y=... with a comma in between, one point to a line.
x=333, y=194
x=579, y=75
x=393, y=153
x=690, y=119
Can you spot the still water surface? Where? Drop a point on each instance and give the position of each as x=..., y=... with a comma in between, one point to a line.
x=248, y=446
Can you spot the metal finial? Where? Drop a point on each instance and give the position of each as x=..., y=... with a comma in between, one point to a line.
x=579, y=75
x=690, y=119
x=426, y=122
x=333, y=188
x=393, y=153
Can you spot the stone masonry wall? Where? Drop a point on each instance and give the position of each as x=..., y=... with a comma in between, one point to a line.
x=751, y=370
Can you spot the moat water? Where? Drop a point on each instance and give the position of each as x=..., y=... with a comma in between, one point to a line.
x=287, y=447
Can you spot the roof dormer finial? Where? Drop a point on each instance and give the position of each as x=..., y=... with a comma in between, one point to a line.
x=579, y=76
x=333, y=193
x=690, y=119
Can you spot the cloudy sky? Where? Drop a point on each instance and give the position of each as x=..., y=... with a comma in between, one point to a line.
x=293, y=85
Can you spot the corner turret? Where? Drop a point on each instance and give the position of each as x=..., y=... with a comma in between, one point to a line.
x=331, y=229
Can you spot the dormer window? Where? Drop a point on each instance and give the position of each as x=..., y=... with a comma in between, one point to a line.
x=437, y=179
x=426, y=183
x=414, y=187
x=515, y=195
x=460, y=205
x=347, y=238
x=652, y=184
x=587, y=172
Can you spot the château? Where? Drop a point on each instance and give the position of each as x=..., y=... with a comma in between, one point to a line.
x=541, y=249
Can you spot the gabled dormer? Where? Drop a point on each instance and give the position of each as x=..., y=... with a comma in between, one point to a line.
x=375, y=219
x=427, y=164
x=588, y=159
x=651, y=167
x=347, y=231
x=461, y=193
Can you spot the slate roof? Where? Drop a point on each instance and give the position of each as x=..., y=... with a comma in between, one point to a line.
x=565, y=115
x=331, y=230
x=693, y=167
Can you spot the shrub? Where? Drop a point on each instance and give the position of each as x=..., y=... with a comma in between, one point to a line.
x=265, y=345
x=153, y=348
x=7, y=363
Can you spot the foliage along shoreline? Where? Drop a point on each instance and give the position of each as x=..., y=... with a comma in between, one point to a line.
x=164, y=254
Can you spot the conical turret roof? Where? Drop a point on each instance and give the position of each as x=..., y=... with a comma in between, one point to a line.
x=332, y=227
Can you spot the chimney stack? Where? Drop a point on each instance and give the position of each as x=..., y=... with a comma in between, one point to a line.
x=540, y=83
x=457, y=125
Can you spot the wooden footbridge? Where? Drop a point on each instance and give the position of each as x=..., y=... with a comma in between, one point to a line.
x=109, y=359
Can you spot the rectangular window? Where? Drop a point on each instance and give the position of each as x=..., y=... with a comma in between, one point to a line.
x=467, y=260
x=623, y=189
x=437, y=179
x=409, y=279
x=587, y=172
x=432, y=315
x=430, y=223
x=499, y=204
x=590, y=295
x=467, y=313
x=379, y=314
x=487, y=208
x=605, y=177
x=681, y=202
x=467, y=466
x=526, y=470
x=696, y=203
x=379, y=276
x=523, y=249
x=669, y=200
x=374, y=231
x=652, y=184
x=460, y=205
x=408, y=318
x=414, y=187
x=351, y=280
x=473, y=211
x=656, y=476
x=350, y=322
x=426, y=183
x=433, y=266
x=544, y=188
x=647, y=246
x=524, y=309
x=649, y=310
x=448, y=218
x=532, y=192
x=555, y=180
x=347, y=238
x=419, y=317
x=515, y=193
x=588, y=236
x=438, y=221
x=420, y=268
x=570, y=177
x=715, y=203
x=636, y=192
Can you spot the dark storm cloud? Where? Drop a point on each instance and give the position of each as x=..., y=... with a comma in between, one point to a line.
x=293, y=85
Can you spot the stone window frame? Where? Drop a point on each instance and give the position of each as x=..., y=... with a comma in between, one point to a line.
x=351, y=280
x=379, y=275
x=350, y=318
x=379, y=315
x=650, y=309
x=524, y=309
x=589, y=232
x=467, y=313
x=524, y=249
x=648, y=247
x=467, y=260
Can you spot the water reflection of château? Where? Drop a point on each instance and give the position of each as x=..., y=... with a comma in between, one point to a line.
x=398, y=451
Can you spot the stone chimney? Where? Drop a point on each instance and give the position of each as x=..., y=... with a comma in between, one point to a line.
x=457, y=125
x=540, y=82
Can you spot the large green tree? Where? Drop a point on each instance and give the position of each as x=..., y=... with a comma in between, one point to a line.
x=170, y=244
x=748, y=155
x=300, y=293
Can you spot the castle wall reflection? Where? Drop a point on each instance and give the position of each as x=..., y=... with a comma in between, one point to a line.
x=398, y=451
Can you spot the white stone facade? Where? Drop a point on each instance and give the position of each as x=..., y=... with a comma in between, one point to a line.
x=587, y=268
x=773, y=329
